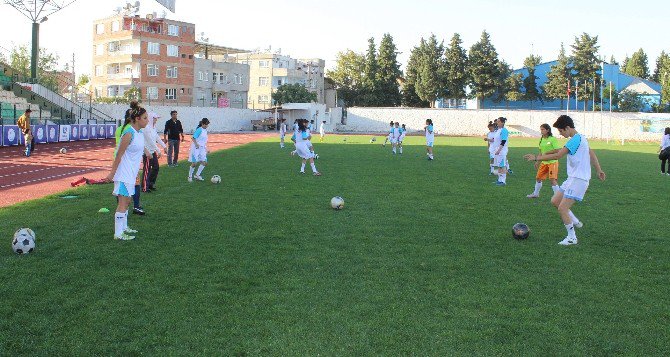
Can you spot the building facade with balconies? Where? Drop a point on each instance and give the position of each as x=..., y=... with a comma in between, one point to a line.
x=154, y=55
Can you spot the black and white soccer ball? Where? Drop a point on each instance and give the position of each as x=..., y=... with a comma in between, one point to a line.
x=23, y=242
x=63, y=150
x=216, y=179
x=520, y=231
x=337, y=202
x=373, y=140
x=25, y=231
x=316, y=156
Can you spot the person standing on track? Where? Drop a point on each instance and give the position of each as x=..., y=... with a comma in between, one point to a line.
x=24, y=124
x=125, y=169
x=153, y=144
x=172, y=134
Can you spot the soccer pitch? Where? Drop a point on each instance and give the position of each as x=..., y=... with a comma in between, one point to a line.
x=421, y=261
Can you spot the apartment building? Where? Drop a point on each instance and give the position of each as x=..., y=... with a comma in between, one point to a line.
x=268, y=71
x=155, y=55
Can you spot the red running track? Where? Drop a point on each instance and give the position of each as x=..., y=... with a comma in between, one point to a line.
x=47, y=171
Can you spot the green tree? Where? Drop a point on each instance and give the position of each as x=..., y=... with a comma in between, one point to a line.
x=514, y=85
x=615, y=95
x=388, y=73
x=19, y=59
x=483, y=68
x=293, y=93
x=409, y=96
x=83, y=80
x=556, y=86
x=585, y=65
x=630, y=101
x=502, y=82
x=370, y=84
x=532, y=92
x=456, y=71
x=613, y=60
x=348, y=77
x=638, y=65
x=662, y=69
x=430, y=74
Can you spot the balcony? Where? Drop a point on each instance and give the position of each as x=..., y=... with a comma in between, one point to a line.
x=132, y=75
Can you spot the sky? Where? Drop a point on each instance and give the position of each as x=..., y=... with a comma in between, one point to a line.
x=321, y=29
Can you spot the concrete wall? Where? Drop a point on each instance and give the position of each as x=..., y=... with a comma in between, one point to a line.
x=616, y=126
x=222, y=119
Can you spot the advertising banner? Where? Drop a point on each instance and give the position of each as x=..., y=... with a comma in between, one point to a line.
x=11, y=135
x=83, y=131
x=111, y=128
x=40, y=133
x=74, y=132
x=64, y=133
x=52, y=133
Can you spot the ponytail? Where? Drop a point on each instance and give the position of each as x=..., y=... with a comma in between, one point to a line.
x=204, y=121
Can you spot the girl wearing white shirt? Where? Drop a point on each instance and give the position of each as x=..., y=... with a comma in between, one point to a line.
x=665, y=143
x=282, y=132
x=301, y=139
x=125, y=168
x=198, y=153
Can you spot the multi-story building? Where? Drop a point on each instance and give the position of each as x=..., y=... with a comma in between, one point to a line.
x=268, y=71
x=219, y=82
x=152, y=54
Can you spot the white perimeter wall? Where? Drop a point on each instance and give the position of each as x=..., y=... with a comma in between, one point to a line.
x=221, y=119
x=521, y=123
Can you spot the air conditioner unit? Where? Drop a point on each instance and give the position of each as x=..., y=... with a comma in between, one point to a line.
x=151, y=16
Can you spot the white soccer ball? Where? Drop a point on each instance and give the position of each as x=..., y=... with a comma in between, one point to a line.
x=216, y=179
x=25, y=231
x=23, y=244
x=63, y=150
x=337, y=202
x=316, y=156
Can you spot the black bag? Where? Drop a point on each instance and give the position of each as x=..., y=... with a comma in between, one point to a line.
x=664, y=154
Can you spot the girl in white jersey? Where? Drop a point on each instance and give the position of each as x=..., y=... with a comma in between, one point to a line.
x=580, y=158
x=388, y=136
x=125, y=168
x=198, y=153
x=489, y=144
x=430, y=138
x=665, y=144
x=301, y=139
x=403, y=132
x=282, y=132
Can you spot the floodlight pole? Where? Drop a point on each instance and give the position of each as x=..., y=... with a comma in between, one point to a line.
x=35, y=51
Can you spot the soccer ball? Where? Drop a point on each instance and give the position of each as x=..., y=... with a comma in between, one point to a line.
x=337, y=202
x=216, y=179
x=520, y=231
x=63, y=150
x=316, y=156
x=373, y=140
x=25, y=232
x=23, y=243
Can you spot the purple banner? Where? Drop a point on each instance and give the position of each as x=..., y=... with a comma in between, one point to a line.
x=40, y=133
x=64, y=133
x=11, y=135
x=74, y=132
x=102, y=131
x=52, y=133
x=111, y=128
x=83, y=131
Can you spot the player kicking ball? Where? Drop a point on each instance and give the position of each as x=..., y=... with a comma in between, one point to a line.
x=580, y=158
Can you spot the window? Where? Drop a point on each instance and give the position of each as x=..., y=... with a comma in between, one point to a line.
x=173, y=30
x=238, y=78
x=263, y=98
x=115, y=26
x=200, y=74
x=280, y=82
x=171, y=72
x=152, y=70
x=99, y=50
x=153, y=48
x=100, y=29
x=237, y=98
x=171, y=93
x=111, y=92
x=263, y=63
x=207, y=76
x=263, y=81
x=129, y=71
x=113, y=46
x=173, y=51
x=152, y=92
x=114, y=69
x=98, y=71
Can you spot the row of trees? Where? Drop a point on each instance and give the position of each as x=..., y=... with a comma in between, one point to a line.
x=438, y=71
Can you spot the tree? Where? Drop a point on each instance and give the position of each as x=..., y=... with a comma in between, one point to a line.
x=662, y=68
x=585, y=65
x=348, y=77
x=293, y=93
x=558, y=78
x=612, y=60
x=483, y=68
x=370, y=85
x=615, y=95
x=513, y=88
x=83, y=80
x=388, y=73
x=409, y=96
x=624, y=64
x=19, y=60
x=637, y=66
x=456, y=74
x=532, y=93
x=430, y=74
x=503, y=83
x=630, y=101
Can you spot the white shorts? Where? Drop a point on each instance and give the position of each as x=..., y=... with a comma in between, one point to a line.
x=574, y=188
x=492, y=156
x=393, y=140
x=302, y=149
x=500, y=160
x=197, y=155
x=429, y=144
x=401, y=139
x=123, y=189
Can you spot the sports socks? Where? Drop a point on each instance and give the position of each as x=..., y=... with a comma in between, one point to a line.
x=190, y=171
x=502, y=178
x=313, y=167
x=119, y=222
x=302, y=167
x=571, y=230
x=200, y=168
x=538, y=187
x=573, y=218
x=555, y=188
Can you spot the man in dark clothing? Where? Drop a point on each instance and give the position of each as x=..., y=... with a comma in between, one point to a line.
x=172, y=134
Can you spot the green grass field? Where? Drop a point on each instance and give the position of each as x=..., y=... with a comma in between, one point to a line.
x=420, y=262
